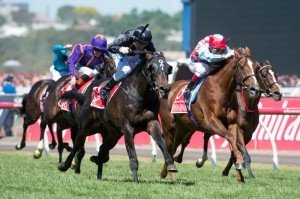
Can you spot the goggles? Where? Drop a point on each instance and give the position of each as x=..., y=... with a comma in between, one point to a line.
x=217, y=50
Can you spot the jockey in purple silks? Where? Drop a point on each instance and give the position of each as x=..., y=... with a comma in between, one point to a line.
x=85, y=57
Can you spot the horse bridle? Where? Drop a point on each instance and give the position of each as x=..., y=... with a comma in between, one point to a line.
x=152, y=75
x=242, y=80
x=266, y=86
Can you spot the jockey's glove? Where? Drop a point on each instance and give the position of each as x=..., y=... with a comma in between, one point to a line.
x=124, y=50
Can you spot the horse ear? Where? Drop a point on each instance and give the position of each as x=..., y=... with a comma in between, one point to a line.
x=161, y=53
x=267, y=62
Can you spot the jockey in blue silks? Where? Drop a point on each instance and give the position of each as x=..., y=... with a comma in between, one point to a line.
x=60, y=67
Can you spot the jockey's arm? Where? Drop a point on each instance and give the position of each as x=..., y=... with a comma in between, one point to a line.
x=74, y=58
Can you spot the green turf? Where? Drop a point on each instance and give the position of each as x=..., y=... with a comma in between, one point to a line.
x=21, y=176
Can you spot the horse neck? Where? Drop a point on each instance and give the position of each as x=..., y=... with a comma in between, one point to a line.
x=225, y=80
x=137, y=82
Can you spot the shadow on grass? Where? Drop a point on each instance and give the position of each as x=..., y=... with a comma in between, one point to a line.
x=154, y=181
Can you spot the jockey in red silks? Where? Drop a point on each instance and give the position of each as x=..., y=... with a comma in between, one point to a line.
x=209, y=51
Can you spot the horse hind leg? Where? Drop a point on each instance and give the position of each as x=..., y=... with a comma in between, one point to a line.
x=60, y=146
x=23, y=141
x=247, y=159
x=200, y=162
x=53, y=144
x=40, y=148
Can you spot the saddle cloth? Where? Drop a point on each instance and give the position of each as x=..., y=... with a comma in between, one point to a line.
x=64, y=104
x=179, y=105
x=97, y=101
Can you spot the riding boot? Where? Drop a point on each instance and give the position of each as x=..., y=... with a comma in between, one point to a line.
x=81, y=81
x=108, y=86
x=189, y=88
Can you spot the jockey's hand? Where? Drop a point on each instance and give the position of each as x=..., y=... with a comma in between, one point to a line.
x=124, y=50
x=230, y=54
x=73, y=80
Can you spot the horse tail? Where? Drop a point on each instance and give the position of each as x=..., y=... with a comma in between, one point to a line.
x=22, y=110
x=73, y=95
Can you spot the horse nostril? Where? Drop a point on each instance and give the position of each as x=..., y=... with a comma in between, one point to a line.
x=277, y=95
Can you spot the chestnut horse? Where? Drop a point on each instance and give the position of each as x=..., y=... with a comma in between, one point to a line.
x=211, y=107
x=132, y=109
x=248, y=117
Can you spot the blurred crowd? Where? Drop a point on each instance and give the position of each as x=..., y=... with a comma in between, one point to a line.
x=25, y=79
x=289, y=80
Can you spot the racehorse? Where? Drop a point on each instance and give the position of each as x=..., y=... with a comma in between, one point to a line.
x=31, y=110
x=209, y=112
x=133, y=108
x=65, y=119
x=248, y=117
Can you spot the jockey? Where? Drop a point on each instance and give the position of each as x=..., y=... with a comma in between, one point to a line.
x=85, y=57
x=208, y=53
x=60, y=67
x=126, y=60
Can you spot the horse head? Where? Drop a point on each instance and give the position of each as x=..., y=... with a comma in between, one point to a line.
x=245, y=72
x=268, y=79
x=156, y=72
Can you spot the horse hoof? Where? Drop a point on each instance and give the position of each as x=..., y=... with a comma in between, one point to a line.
x=173, y=176
x=62, y=167
x=177, y=159
x=224, y=173
x=94, y=159
x=200, y=162
x=52, y=146
x=172, y=169
x=252, y=176
x=240, y=166
x=19, y=147
x=67, y=147
x=154, y=159
x=77, y=171
x=74, y=166
x=37, y=154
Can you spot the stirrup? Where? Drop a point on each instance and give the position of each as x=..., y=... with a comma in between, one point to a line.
x=103, y=94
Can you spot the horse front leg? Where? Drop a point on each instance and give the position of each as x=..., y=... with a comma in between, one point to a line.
x=154, y=129
x=103, y=155
x=79, y=143
x=200, y=162
x=216, y=126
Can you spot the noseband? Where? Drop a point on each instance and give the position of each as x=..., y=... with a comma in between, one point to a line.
x=266, y=86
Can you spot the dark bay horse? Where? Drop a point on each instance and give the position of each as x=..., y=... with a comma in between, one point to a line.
x=31, y=110
x=211, y=107
x=247, y=117
x=65, y=119
x=132, y=109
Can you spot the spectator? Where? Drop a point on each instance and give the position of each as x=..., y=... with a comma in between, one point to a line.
x=7, y=116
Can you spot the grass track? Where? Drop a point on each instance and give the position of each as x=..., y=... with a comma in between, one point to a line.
x=23, y=177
